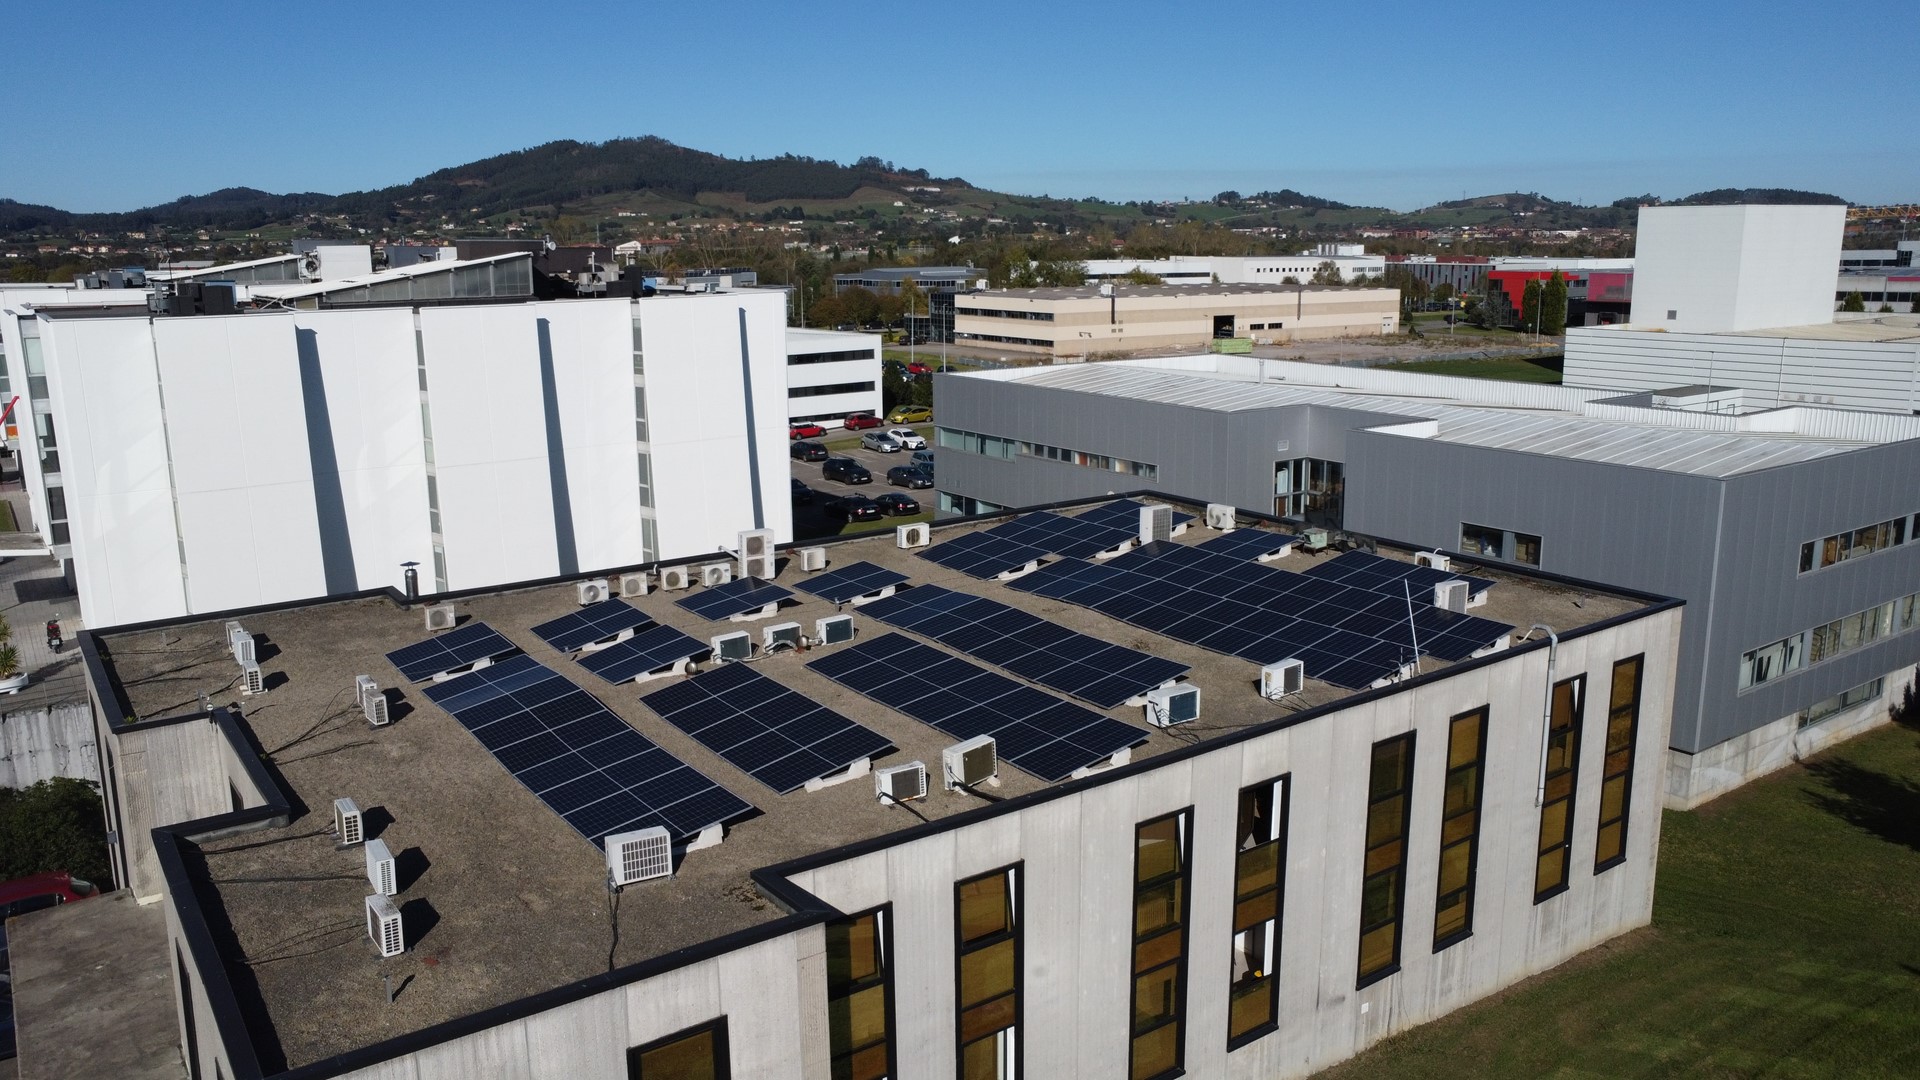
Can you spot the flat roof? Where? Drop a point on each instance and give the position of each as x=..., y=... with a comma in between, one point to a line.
x=507, y=899
x=1848, y=326
x=1129, y=292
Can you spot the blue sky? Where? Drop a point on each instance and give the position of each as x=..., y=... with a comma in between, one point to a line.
x=1401, y=105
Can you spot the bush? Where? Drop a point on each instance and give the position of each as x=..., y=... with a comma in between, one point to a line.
x=53, y=825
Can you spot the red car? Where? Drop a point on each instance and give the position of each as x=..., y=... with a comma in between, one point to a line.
x=21, y=895
x=917, y=368
x=805, y=431
x=860, y=420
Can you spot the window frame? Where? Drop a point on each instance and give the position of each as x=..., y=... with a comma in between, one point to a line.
x=883, y=914
x=723, y=1053
x=1472, y=838
x=1282, y=787
x=1364, y=978
x=1624, y=774
x=1575, y=729
x=1016, y=891
x=1180, y=926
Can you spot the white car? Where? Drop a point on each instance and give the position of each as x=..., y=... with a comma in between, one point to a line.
x=908, y=438
x=880, y=441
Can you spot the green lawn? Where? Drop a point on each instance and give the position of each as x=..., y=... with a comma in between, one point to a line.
x=1785, y=943
x=1510, y=368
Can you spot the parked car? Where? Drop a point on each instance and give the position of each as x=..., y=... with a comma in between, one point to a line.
x=862, y=420
x=909, y=414
x=880, y=442
x=801, y=492
x=846, y=470
x=805, y=431
x=918, y=368
x=897, y=504
x=922, y=458
x=909, y=476
x=854, y=508
x=21, y=895
x=908, y=438
x=801, y=450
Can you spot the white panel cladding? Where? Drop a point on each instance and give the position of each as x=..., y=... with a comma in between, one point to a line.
x=113, y=461
x=1847, y=374
x=582, y=1040
x=497, y=1052
x=592, y=345
x=489, y=444
x=369, y=371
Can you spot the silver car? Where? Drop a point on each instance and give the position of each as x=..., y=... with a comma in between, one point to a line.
x=880, y=442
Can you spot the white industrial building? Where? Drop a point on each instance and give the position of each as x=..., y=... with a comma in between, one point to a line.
x=1351, y=260
x=830, y=375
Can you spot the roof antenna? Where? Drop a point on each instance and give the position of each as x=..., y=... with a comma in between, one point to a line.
x=1407, y=589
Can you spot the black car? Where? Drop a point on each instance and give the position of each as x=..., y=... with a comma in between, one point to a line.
x=909, y=476
x=802, y=450
x=846, y=470
x=854, y=508
x=801, y=492
x=897, y=504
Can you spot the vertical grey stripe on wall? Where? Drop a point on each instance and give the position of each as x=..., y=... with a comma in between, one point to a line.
x=563, y=539
x=329, y=503
x=753, y=445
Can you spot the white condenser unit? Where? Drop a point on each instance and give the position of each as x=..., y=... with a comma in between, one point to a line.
x=383, y=926
x=902, y=783
x=675, y=578
x=784, y=635
x=735, y=646
x=1283, y=677
x=441, y=617
x=971, y=763
x=633, y=584
x=833, y=630
x=251, y=681
x=1434, y=559
x=640, y=855
x=813, y=558
x=716, y=574
x=374, y=708
x=363, y=688
x=1156, y=522
x=756, y=554
x=1170, y=705
x=380, y=868
x=1452, y=595
x=240, y=643
x=348, y=826
x=590, y=592
x=917, y=535
x=1220, y=516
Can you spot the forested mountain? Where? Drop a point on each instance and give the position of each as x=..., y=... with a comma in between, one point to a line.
x=1766, y=195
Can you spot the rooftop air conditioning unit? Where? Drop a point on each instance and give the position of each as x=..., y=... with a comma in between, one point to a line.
x=640, y=855
x=902, y=783
x=1156, y=522
x=735, y=646
x=310, y=266
x=1432, y=559
x=363, y=688
x=813, y=558
x=590, y=592
x=917, y=535
x=236, y=634
x=374, y=708
x=348, y=826
x=1281, y=678
x=383, y=926
x=441, y=617
x=1315, y=539
x=716, y=574
x=756, y=554
x=1171, y=705
x=675, y=578
x=1220, y=516
x=633, y=584
x=784, y=635
x=380, y=868
x=833, y=630
x=1452, y=595
x=971, y=763
x=251, y=681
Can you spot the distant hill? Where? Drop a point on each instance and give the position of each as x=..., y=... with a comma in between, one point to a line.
x=1766, y=196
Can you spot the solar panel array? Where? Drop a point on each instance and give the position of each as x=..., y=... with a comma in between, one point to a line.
x=648, y=650
x=1032, y=730
x=581, y=759
x=1125, y=513
x=1345, y=635
x=455, y=648
x=736, y=597
x=591, y=624
x=843, y=583
x=1013, y=544
x=1027, y=645
x=764, y=729
x=1367, y=571
x=1246, y=543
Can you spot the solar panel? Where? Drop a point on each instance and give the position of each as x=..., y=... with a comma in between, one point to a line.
x=599, y=774
x=590, y=624
x=1027, y=645
x=1246, y=543
x=764, y=729
x=1125, y=513
x=1368, y=571
x=844, y=583
x=651, y=649
x=455, y=648
x=736, y=597
x=1033, y=730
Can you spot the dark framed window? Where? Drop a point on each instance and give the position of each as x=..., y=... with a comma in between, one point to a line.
x=987, y=929
x=698, y=1053
x=1259, y=903
x=860, y=996
x=1161, y=862
x=1383, y=884
x=1616, y=780
x=1460, y=828
x=1557, y=788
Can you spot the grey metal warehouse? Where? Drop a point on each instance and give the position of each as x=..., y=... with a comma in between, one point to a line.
x=1790, y=531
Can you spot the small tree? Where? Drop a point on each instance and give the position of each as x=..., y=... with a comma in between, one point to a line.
x=1326, y=274
x=53, y=825
x=1530, y=305
x=9, y=656
x=1886, y=308
x=1553, y=306
x=1853, y=302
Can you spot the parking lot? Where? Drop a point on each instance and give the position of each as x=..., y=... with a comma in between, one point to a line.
x=810, y=520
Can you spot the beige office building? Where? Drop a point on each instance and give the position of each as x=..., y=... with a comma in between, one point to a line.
x=1084, y=321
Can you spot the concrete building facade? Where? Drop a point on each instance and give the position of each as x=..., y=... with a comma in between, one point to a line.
x=1089, y=320
x=830, y=375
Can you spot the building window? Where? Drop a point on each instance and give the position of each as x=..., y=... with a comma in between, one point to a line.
x=1310, y=489
x=1259, y=899
x=1769, y=661
x=1494, y=543
x=1383, y=884
x=858, y=1007
x=1828, y=640
x=830, y=388
x=829, y=357
x=1826, y=551
x=1087, y=459
x=1616, y=780
x=1159, y=945
x=694, y=1054
x=1841, y=702
x=987, y=913
x=1460, y=828
x=1556, y=798
x=972, y=442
